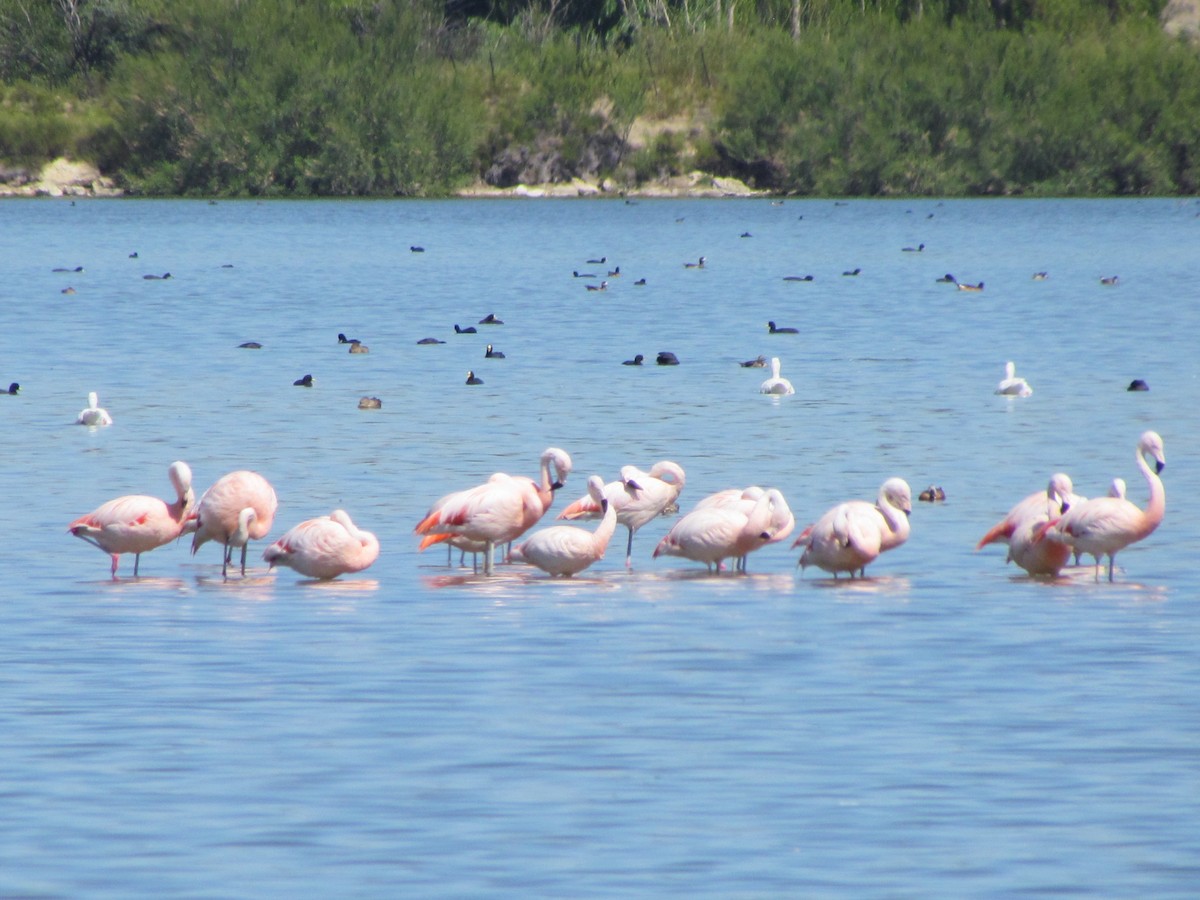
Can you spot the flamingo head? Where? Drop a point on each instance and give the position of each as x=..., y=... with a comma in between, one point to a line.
x=1151, y=445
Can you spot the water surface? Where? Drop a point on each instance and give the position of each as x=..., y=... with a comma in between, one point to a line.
x=946, y=727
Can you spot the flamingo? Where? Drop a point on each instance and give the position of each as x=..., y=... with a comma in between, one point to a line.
x=324, y=547
x=775, y=384
x=563, y=550
x=712, y=534
x=1058, y=496
x=851, y=535
x=501, y=509
x=92, y=415
x=220, y=513
x=638, y=497
x=137, y=523
x=1012, y=386
x=782, y=520
x=1103, y=526
x=1035, y=556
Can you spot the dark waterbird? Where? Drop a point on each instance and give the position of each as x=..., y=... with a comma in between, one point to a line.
x=342, y=339
x=636, y=361
x=667, y=358
x=250, y=345
x=759, y=362
x=306, y=381
x=472, y=378
x=1138, y=385
x=163, y=277
x=13, y=389
x=430, y=340
x=470, y=329
x=492, y=353
x=490, y=319
x=775, y=329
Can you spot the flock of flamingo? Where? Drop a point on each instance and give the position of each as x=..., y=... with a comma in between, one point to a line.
x=1042, y=531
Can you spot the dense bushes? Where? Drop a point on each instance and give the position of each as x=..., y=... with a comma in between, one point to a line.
x=370, y=97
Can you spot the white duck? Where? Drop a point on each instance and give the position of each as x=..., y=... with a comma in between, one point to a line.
x=775, y=384
x=1012, y=385
x=93, y=415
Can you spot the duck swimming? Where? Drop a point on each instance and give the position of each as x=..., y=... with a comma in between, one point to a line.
x=306, y=381
x=491, y=353
x=776, y=384
x=772, y=328
x=470, y=329
x=92, y=415
x=472, y=378
x=490, y=319
x=667, y=358
x=1011, y=385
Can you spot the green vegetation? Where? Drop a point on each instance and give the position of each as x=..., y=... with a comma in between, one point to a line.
x=418, y=98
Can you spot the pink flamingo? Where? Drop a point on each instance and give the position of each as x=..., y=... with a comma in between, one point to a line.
x=500, y=510
x=1058, y=495
x=324, y=547
x=851, y=535
x=1103, y=526
x=712, y=534
x=563, y=550
x=782, y=521
x=1036, y=556
x=138, y=523
x=219, y=514
x=638, y=498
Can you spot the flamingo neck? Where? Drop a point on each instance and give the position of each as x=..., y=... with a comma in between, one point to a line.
x=604, y=531
x=1152, y=515
x=896, y=520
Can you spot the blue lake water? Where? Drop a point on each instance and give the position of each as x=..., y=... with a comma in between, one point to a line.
x=946, y=727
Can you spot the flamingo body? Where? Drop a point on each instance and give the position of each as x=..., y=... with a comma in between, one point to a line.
x=137, y=523
x=851, y=535
x=219, y=513
x=564, y=550
x=324, y=547
x=713, y=533
x=1036, y=556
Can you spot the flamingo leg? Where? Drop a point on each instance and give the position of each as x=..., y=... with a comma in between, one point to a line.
x=225, y=562
x=488, y=550
x=115, y=560
x=629, y=548
x=244, y=547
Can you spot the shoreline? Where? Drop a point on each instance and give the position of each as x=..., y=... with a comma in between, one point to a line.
x=66, y=178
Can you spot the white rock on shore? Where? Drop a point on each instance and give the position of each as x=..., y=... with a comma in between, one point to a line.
x=60, y=178
x=694, y=184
